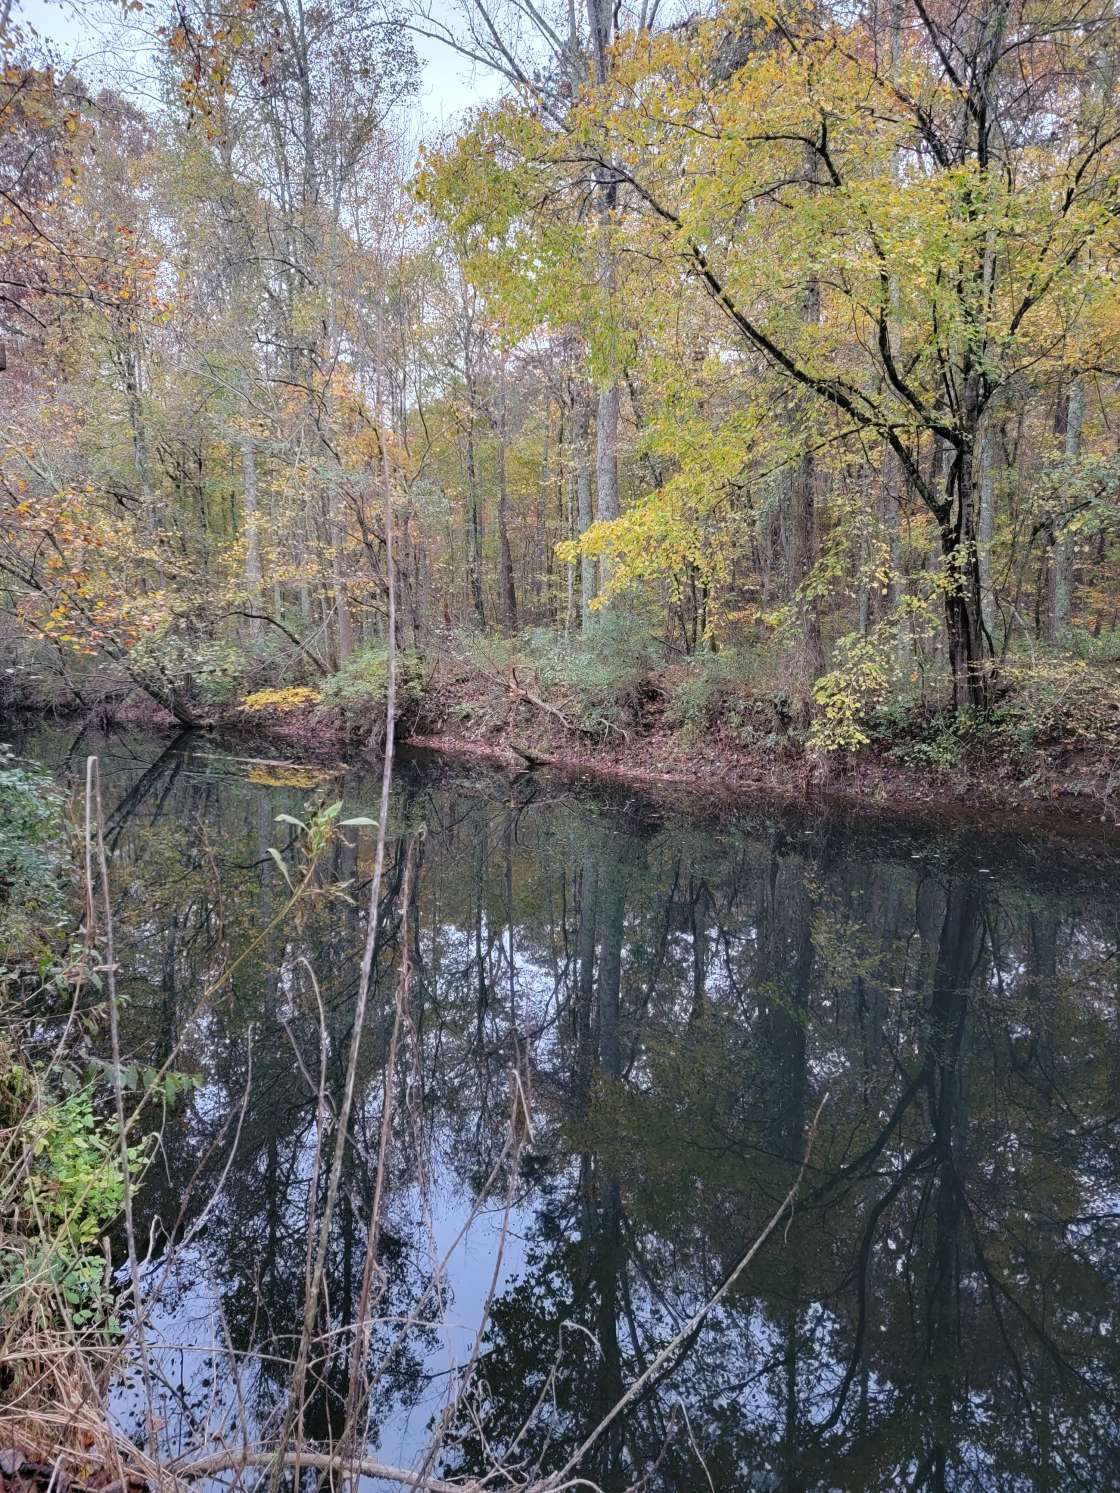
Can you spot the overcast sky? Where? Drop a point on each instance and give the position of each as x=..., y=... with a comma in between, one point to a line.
x=93, y=35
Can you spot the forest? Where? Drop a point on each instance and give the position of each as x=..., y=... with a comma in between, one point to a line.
x=559, y=746
x=735, y=386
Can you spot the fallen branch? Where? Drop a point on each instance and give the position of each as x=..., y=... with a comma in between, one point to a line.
x=308, y=653
x=239, y=1460
x=324, y=769
x=531, y=758
x=517, y=688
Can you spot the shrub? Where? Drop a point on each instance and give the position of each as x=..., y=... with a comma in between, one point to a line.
x=848, y=694
x=1050, y=701
x=280, y=701
x=1058, y=700
x=61, y=1172
x=221, y=670
x=604, y=675
x=360, y=683
x=210, y=671
x=72, y=1193
x=1102, y=649
x=354, y=696
x=61, y=1184
x=481, y=653
x=711, y=689
x=732, y=692
x=938, y=742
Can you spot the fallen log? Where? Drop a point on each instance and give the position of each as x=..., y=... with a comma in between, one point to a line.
x=531, y=758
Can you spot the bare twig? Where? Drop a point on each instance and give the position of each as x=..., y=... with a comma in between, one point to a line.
x=238, y=1460
x=95, y=819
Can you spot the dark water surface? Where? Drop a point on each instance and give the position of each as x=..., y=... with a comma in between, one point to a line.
x=681, y=993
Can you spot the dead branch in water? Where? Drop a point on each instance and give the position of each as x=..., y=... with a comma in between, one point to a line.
x=560, y=1479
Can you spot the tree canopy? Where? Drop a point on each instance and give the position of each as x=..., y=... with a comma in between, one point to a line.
x=783, y=331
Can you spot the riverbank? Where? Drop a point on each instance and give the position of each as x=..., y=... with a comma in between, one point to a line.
x=1062, y=786
x=706, y=780
x=705, y=726
x=1070, y=785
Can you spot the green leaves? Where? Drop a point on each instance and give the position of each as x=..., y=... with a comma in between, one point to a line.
x=279, y=861
x=315, y=835
x=32, y=854
x=74, y=1191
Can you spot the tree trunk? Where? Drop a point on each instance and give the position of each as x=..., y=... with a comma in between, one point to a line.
x=892, y=485
x=809, y=663
x=252, y=538
x=509, y=593
x=609, y=403
x=474, y=530
x=892, y=478
x=969, y=657
x=1069, y=422
x=136, y=420
x=803, y=547
x=970, y=644
x=986, y=527
x=606, y=460
x=344, y=632
x=587, y=578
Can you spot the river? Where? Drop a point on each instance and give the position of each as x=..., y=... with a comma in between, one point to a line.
x=678, y=994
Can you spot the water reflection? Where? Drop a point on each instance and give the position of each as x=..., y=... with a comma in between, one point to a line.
x=940, y=1312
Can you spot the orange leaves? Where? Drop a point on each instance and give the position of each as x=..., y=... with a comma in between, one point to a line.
x=206, y=57
x=82, y=569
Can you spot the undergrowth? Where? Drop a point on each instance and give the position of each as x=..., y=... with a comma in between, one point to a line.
x=61, y=1167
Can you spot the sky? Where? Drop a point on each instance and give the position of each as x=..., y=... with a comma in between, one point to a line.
x=88, y=34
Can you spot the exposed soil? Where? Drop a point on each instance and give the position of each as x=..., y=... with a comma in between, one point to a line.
x=712, y=771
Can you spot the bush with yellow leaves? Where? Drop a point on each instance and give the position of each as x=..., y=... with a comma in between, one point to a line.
x=280, y=701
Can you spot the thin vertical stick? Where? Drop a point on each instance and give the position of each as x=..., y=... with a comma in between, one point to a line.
x=342, y=1127
x=358, y=1393
x=94, y=819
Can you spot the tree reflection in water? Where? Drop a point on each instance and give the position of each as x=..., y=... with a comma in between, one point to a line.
x=939, y=1313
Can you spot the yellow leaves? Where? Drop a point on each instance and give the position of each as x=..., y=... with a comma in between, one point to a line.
x=83, y=564
x=269, y=776
x=280, y=701
x=864, y=669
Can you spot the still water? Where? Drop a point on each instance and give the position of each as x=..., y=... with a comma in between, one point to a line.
x=679, y=994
